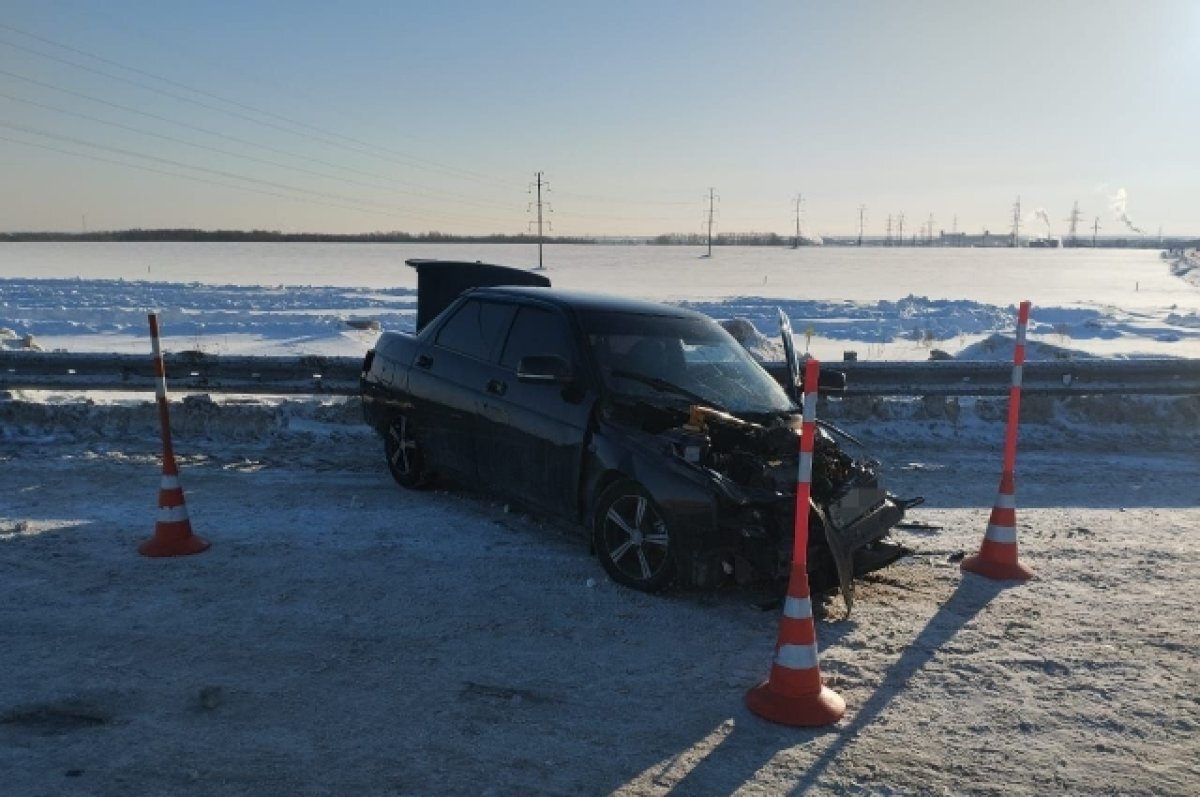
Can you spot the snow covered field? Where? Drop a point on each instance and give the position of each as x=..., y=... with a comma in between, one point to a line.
x=343, y=636
x=881, y=303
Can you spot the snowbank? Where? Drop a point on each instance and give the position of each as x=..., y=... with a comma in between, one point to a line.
x=1186, y=266
x=1160, y=423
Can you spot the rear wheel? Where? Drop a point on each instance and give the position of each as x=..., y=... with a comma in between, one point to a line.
x=632, y=538
x=404, y=459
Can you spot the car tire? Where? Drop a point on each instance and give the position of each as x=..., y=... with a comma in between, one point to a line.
x=632, y=538
x=404, y=458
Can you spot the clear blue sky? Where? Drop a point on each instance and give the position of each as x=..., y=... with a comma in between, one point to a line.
x=356, y=116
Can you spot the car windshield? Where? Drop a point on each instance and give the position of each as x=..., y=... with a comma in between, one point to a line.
x=692, y=358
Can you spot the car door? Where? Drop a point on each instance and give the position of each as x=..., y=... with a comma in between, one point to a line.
x=447, y=381
x=531, y=435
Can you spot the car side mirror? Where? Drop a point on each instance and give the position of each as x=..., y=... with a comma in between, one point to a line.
x=549, y=369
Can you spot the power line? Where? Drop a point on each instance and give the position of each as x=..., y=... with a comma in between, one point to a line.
x=218, y=172
x=324, y=136
x=168, y=81
x=193, y=178
x=229, y=153
x=235, y=139
x=424, y=192
x=203, y=169
x=622, y=200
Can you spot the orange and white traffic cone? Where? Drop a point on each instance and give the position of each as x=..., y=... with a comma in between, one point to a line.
x=173, y=531
x=997, y=557
x=794, y=694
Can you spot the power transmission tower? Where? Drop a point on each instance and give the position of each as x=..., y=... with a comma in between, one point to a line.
x=1016, y=229
x=712, y=198
x=797, y=203
x=1074, y=220
x=929, y=232
x=900, y=234
x=862, y=209
x=539, y=184
x=888, y=240
x=1095, y=229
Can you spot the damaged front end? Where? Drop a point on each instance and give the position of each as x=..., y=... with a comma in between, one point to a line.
x=752, y=467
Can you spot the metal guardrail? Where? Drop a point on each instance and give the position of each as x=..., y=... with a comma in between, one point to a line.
x=990, y=378
x=186, y=372
x=338, y=376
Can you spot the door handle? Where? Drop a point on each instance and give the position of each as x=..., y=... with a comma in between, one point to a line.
x=496, y=387
x=424, y=361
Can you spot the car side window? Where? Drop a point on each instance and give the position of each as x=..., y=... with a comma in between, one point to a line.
x=537, y=331
x=476, y=328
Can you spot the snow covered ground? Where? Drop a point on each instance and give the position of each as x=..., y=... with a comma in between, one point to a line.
x=344, y=636
x=880, y=303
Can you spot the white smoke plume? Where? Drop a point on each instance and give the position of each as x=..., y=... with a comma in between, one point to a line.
x=1039, y=216
x=1118, y=202
x=1045, y=217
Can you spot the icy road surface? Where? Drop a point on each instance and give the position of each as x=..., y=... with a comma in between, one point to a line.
x=344, y=636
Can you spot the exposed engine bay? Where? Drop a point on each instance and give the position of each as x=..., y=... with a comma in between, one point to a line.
x=753, y=463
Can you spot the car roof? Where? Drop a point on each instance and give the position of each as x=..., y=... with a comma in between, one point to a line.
x=588, y=301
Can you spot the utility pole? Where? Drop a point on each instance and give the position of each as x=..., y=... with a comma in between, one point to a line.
x=540, y=184
x=888, y=240
x=862, y=210
x=900, y=234
x=1074, y=220
x=796, y=205
x=929, y=233
x=1016, y=229
x=712, y=198
x=1095, y=229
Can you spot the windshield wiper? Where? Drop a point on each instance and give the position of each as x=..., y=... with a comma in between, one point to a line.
x=663, y=386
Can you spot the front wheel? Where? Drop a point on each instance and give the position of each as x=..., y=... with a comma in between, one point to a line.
x=404, y=459
x=632, y=538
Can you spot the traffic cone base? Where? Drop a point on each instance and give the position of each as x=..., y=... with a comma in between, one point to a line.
x=803, y=711
x=173, y=532
x=173, y=544
x=997, y=557
x=987, y=567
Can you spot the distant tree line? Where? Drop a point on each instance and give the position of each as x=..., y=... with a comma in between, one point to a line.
x=723, y=239
x=666, y=239
x=262, y=236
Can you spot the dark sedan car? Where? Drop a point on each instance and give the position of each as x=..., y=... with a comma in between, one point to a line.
x=647, y=424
